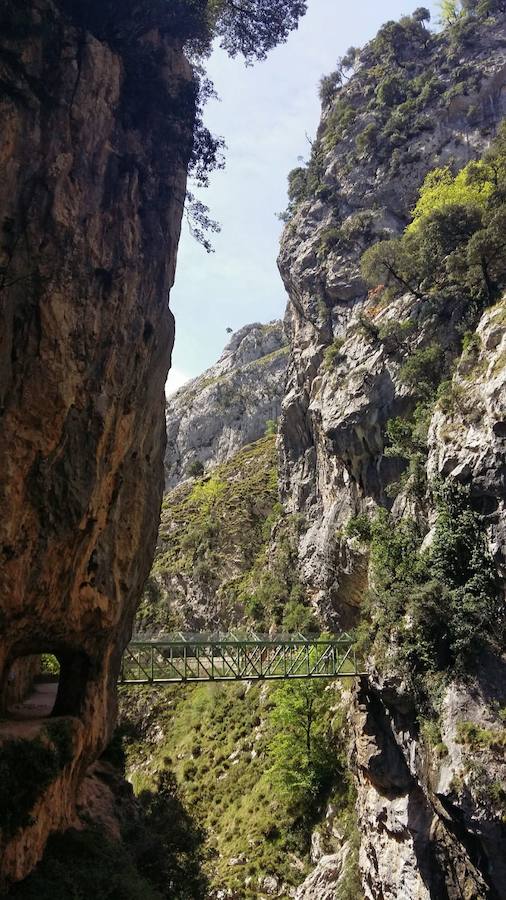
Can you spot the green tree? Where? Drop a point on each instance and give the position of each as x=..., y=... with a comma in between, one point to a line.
x=472, y=186
x=251, y=28
x=195, y=469
x=393, y=263
x=454, y=248
x=329, y=85
x=303, y=761
x=449, y=11
x=391, y=90
x=421, y=14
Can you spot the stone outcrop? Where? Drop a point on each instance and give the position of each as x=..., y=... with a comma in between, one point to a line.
x=429, y=818
x=93, y=177
x=229, y=405
x=337, y=401
x=324, y=881
x=468, y=441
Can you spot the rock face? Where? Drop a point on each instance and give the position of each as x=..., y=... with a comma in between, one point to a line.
x=93, y=172
x=430, y=819
x=430, y=824
x=334, y=409
x=229, y=405
x=468, y=441
x=324, y=882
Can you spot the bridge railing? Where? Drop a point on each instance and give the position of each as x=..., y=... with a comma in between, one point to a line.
x=193, y=658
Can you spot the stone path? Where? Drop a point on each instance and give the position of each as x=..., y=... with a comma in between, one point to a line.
x=38, y=704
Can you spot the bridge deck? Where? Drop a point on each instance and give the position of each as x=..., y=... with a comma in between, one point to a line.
x=199, y=658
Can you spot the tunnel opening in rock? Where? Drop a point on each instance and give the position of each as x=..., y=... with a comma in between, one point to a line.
x=48, y=682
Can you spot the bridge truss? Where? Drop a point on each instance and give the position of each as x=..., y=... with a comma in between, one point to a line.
x=190, y=658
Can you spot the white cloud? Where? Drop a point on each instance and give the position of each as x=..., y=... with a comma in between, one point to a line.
x=175, y=380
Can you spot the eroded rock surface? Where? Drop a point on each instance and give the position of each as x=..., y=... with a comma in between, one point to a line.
x=229, y=405
x=429, y=819
x=337, y=401
x=93, y=175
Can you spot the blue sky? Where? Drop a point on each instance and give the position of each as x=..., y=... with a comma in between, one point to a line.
x=264, y=113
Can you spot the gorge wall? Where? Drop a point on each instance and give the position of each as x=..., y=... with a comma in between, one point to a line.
x=93, y=153
x=221, y=469
x=391, y=468
x=430, y=801
x=229, y=405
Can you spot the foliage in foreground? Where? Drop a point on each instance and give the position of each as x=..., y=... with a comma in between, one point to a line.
x=433, y=610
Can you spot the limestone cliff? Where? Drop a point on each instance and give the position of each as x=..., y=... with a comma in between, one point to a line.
x=93, y=177
x=430, y=801
x=357, y=190
x=229, y=405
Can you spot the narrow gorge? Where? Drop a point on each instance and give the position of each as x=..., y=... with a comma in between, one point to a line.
x=343, y=470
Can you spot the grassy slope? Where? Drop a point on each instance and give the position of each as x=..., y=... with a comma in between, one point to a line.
x=217, y=740
x=216, y=534
x=215, y=566
x=211, y=531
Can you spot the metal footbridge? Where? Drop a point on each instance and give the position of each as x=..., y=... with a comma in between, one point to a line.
x=230, y=657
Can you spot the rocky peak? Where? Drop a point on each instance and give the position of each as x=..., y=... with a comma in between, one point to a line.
x=229, y=405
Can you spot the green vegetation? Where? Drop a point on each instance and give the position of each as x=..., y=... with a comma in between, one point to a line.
x=211, y=532
x=472, y=186
x=453, y=250
x=359, y=527
x=407, y=438
x=452, y=11
x=478, y=738
x=49, y=664
x=221, y=744
x=195, y=469
x=27, y=768
x=270, y=591
x=214, y=536
x=431, y=735
x=304, y=762
x=394, y=333
x=432, y=611
x=333, y=355
x=422, y=369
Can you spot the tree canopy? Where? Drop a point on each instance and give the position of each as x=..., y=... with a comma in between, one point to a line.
x=455, y=245
x=251, y=28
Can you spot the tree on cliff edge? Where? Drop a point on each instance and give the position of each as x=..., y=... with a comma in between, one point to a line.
x=252, y=28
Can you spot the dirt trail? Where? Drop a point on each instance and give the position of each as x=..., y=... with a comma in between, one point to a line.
x=38, y=705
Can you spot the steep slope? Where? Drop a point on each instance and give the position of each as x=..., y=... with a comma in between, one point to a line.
x=93, y=175
x=220, y=742
x=268, y=808
x=377, y=141
x=395, y=402
x=229, y=405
